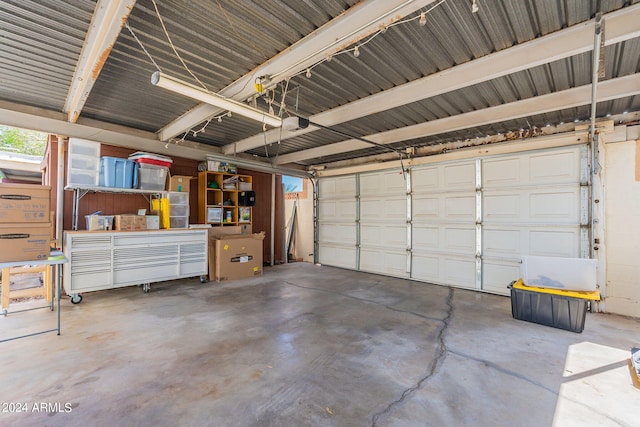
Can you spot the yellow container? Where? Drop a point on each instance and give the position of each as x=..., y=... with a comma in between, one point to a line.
x=161, y=207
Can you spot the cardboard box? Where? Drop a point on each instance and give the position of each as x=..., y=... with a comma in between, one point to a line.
x=180, y=183
x=130, y=222
x=24, y=241
x=24, y=203
x=235, y=256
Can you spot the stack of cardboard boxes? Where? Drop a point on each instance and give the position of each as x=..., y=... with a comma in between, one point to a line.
x=25, y=222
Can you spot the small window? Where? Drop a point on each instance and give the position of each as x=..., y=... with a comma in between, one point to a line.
x=292, y=184
x=294, y=187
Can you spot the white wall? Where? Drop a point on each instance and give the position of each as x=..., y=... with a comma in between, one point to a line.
x=622, y=225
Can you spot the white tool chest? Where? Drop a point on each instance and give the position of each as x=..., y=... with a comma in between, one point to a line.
x=113, y=259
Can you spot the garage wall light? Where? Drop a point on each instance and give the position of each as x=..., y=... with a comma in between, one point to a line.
x=183, y=88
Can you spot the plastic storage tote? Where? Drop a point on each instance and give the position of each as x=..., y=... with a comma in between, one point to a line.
x=572, y=274
x=83, y=167
x=179, y=222
x=550, y=307
x=118, y=173
x=152, y=177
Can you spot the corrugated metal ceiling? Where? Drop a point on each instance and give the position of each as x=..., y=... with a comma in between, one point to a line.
x=223, y=41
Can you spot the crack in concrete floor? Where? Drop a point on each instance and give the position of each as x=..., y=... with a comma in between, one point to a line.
x=422, y=316
x=440, y=356
x=442, y=347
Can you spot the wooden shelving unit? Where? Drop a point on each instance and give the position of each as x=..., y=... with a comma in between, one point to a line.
x=218, y=192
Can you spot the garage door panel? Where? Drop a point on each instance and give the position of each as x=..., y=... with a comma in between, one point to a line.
x=460, y=271
x=337, y=210
x=501, y=172
x=554, y=242
x=443, y=238
x=500, y=207
x=444, y=207
x=513, y=243
x=460, y=239
x=554, y=166
x=337, y=256
x=382, y=183
x=337, y=233
x=425, y=179
x=558, y=205
x=444, y=269
x=460, y=176
x=338, y=187
x=497, y=275
x=552, y=205
x=426, y=267
x=461, y=207
x=444, y=178
x=425, y=238
x=547, y=167
x=502, y=242
x=384, y=236
x=384, y=210
x=384, y=261
x=426, y=208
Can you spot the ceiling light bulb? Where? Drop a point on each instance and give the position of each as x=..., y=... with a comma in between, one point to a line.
x=220, y=119
x=474, y=7
x=308, y=74
x=423, y=19
x=329, y=58
x=356, y=51
x=229, y=114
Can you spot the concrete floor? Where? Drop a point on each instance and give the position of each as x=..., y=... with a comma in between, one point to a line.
x=307, y=345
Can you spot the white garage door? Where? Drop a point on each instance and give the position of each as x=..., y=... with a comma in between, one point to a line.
x=464, y=224
x=383, y=223
x=337, y=234
x=444, y=223
x=532, y=204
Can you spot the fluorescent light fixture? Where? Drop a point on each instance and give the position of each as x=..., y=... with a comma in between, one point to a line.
x=187, y=89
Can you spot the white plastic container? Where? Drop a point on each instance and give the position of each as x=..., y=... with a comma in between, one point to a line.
x=153, y=222
x=152, y=177
x=178, y=198
x=179, y=221
x=571, y=274
x=84, y=147
x=178, y=210
x=83, y=168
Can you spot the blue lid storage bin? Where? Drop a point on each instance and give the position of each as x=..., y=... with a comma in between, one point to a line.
x=118, y=173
